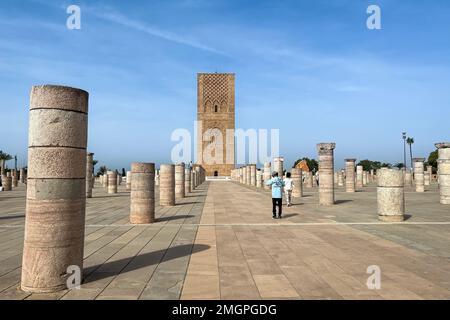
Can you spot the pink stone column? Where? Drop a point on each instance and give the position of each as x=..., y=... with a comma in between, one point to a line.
x=56, y=189
x=112, y=182
x=187, y=180
x=326, y=173
x=167, y=185
x=278, y=166
x=142, y=196
x=15, y=180
x=7, y=182
x=22, y=176
x=296, y=175
x=267, y=174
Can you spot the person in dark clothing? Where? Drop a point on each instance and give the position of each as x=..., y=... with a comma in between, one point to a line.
x=277, y=194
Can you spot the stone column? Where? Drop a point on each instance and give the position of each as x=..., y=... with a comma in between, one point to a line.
x=56, y=188
x=112, y=181
x=340, y=179
x=192, y=180
x=167, y=185
x=296, y=175
x=326, y=170
x=142, y=196
x=419, y=174
x=430, y=173
x=309, y=179
x=15, y=180
x=105, y=180
x=128, y=185
x=278, y=166
x=197, y=177
x=350, y=175
x=179, y=181
x=259, y=179
x=364, y=178
x=157, y=178
x=444, y=171
x=408, y=177
x=248, y=178
x=336, y=177
x=390, y=195
x=253, y=175
x=89, y=170
x=22, y=175
x=187, y=180
x=7, y=182
x=267, y=174
x=359, y=176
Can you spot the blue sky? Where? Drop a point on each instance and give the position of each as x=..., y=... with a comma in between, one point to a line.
x=310, y=68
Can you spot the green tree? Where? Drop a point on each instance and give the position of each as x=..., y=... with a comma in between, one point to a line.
x=101, y=171
x=432, y=159
x=4, y=157
x=410, y=142
x=399, y=165
x=312, y=164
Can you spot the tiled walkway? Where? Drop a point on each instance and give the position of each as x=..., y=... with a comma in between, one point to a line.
x=221, y=243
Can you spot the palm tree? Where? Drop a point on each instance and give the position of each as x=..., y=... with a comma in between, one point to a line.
x=3, y=158
x=410, y=142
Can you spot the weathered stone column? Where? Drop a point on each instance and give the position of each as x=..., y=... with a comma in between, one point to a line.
x=248, y=177
x=128, y=185
x=336, y=178
x=350, y=175
x=119, y=178
x=326, y=170
x=259, y=179
x=340, y=179
x=278, y=166
x=56, y=189
x=22, y=175
x=359, y=176
x=408, y=177
x=390, y=195
x=267, y=174
x=309, y=179
x=7, y=182
x=157, y=178
x=142, y=196
x=192, y=180
x=167, y=185
x=15, y=180
x=179, y=181
x=419, y=174
x=296, y=175
x=364, y=178
x=253, y=175
x=89, y=173
x=444, y=171
x=112, y=181
x=430, y=173
x=187, y=180
x=197, y=176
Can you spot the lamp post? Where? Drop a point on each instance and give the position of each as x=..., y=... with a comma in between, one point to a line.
x=404, y=148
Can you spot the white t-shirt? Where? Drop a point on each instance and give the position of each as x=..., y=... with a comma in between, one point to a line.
x=288, y=184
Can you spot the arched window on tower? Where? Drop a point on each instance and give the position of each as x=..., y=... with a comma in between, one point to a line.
x=215, y=108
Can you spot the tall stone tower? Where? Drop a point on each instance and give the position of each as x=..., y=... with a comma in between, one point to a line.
x=215, y=115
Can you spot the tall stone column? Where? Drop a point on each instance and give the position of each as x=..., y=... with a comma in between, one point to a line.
x=248, y=178
x=15, y=180
x=350, y=175
x=197, y=176
x=179, y=181
x=89, y=174
x=105, y=180
x=390, y=195
x=444, y=171
x=419, y=174
x=267, y=174
x=128, y=185
x=192, y=180
x=56, y=188
x=112, y=181
x=278, y=166
x=364, y=178
x=167, y=185
x=430, y=173
x=326, y=170
x=359, y=176
x=296, y=175
x=142, y=196
x=187, y=180
x=253, y=175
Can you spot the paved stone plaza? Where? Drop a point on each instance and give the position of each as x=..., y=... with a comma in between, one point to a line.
x=220, y=242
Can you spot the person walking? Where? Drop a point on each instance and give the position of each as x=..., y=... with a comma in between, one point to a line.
x=288, y=187
x=277, y=198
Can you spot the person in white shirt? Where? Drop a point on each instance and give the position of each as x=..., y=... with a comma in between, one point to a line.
x=288, y=186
